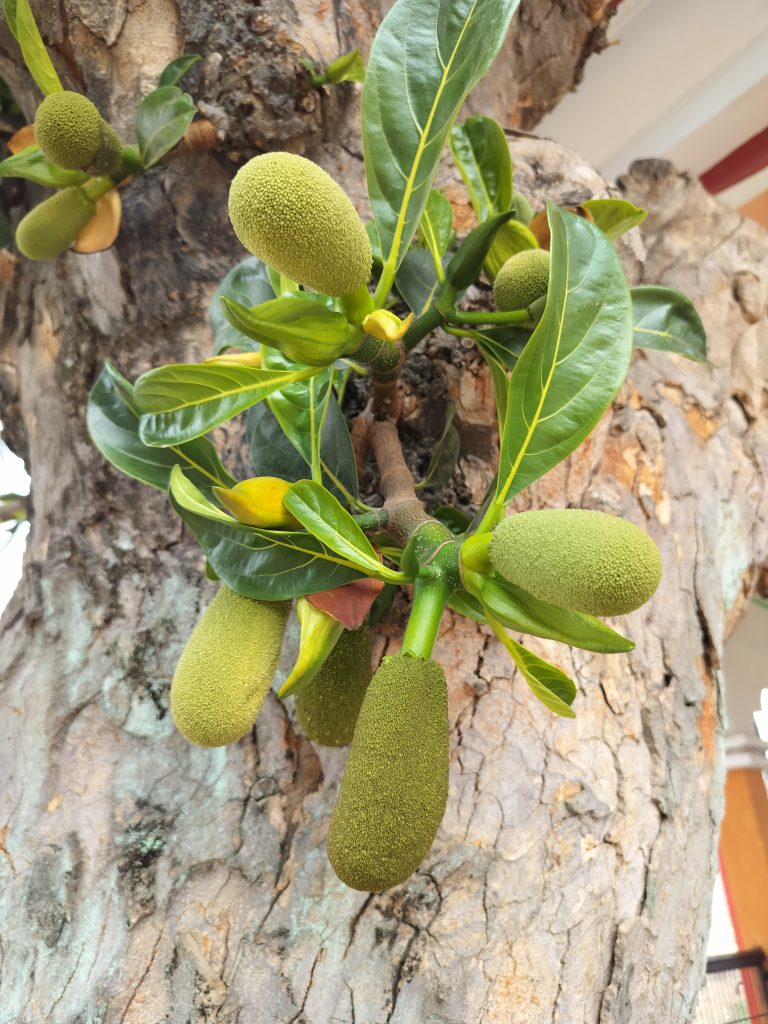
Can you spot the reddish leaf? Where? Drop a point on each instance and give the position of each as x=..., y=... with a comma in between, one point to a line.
x=349, y=604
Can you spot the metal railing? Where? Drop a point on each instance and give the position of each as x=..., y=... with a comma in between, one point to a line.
x=735, y=990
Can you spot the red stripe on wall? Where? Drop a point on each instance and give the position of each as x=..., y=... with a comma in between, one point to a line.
x=749, y=158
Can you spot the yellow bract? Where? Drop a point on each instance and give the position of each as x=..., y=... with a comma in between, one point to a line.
x=259, y=502
x=385, y=326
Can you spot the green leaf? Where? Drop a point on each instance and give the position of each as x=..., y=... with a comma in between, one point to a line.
x=505, y=343
x=456, y=520
x=550, y=684
x=516, y=609
x=511, y=238
x=445, y=454
x=302, y=329
x=481, y=152
x=24, y=27
x=248, y=284
x=300, y=409
x=113, y=423
x=350, y=67
x=173, y=73
x=615, y=217
x=463, y=603
x=467, y=262
x=416, y=280
x=161, y=120
x=9, y=12
x=666, y=320
x=321, y=514
x=267, y=565
x=185, y=400
x=436, y=225
x=576, y=359
x=425, y=59
x=33, y=166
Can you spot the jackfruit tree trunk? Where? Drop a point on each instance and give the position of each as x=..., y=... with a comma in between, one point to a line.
x=145, y=880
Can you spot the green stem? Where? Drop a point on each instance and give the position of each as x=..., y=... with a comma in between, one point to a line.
x=357, y=305
x=98, y=187
x=493, y=515
x=429, y=600
x=420, y=328
x=515, y=316
x=375, y=520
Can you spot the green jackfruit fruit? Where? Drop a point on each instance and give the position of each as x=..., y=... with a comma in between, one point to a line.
x=523, y=279
x=108, y=156
x=225, y=671
x=329, y=704
x=581, y=560
x=53, y=225
x=393, y=794
x=292, y=215
x=68, y=129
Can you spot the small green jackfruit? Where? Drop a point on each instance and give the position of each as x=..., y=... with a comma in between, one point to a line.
x=108, y=156
x=53, y=225
x=68, y=129
x=329, y=704
x=292, y=215
x=523, y=279
x=225, y=671
x=395, y=787
x=577, y=559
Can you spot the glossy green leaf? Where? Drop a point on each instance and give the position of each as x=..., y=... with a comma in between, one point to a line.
x=161, y=120
x=467, y=262
x=183, y=401
x=456, y=520
x=436, y=225
x=248, y=284
x=33, y=166
x=267, y=565
x=350, y=67
x=22, y=22
x=575, y=361
x=505, y=343
x=173, y=73
x=416, y=280
x=9, y=12
x=113, y=423
x=466, y=605
x=425, y=59
x=481, y=152
x=549, y=684
x=511, y=238
x=516, y=609
x=615, y=217
x=445, y=454
x=304, y=330
x=321, y=514
x=665, y=319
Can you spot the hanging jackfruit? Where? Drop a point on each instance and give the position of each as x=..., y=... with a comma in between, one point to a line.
x=329, y=704
x=53, y=225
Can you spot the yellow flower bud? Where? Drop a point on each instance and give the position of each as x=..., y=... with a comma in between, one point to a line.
x=259, y=502
x=385, y=326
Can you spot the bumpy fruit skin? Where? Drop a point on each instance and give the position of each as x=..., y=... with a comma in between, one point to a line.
x=292, y=215
x=53, y=225
x=226, y=669
x=259, y=502
x=108, y=156
x=393, y=794
x=522, y=280
x=329, y=704
x=585, y=561
x=68, y=129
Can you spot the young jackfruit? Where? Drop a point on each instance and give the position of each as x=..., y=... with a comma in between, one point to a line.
x=108, y=156
x=581, y=560
x=393, y=794
x=523, y=279
x=225, y=671
x=68, y=129
x=292, y=215
x=329, y=704
x=53, y=225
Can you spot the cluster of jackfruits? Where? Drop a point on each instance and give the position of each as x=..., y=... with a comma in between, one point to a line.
x=292, y=215
x=522, y=280
x=577, y=559
x=72, y=133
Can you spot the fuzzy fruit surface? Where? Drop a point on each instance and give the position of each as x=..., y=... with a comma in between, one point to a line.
x=226, y=669
x=292, y=215
x=53, y=225
x=574, y=558
x=395, y=786
x=523, y=279
x=259, y=502
x=329, y=704
x=68, y=129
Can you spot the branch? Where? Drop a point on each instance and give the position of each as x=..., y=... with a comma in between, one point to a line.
x=406, y=513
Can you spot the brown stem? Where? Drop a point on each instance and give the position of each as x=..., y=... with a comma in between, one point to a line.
x=360, y=435
x=403, y=508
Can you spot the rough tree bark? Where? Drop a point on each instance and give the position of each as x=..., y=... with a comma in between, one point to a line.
x=144, y=880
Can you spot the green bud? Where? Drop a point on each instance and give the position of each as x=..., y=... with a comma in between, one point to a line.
x=523, y=279
x=395, y=787
x=226, y=669
x=576, y=559
x=329, y=705
x=53, y=225
x=319, y=635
